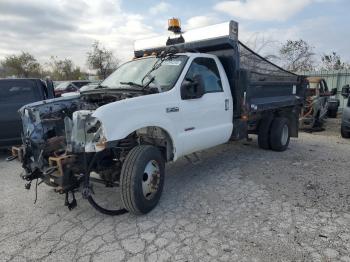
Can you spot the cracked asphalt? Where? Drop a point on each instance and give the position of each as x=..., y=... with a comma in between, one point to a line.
x=240, y=203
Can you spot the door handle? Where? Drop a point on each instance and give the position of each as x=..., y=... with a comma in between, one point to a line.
x=227, y=104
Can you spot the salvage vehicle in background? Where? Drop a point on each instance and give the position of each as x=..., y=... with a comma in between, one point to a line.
x=345, y=122
x=181, y=93
x=333, y=106
x=15, y=93
x=70, y=86
x=90, y=86
x=318, y=104
x=87, y=87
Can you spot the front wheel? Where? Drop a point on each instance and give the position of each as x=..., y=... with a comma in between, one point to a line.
x=142, y=179
x=280, y=134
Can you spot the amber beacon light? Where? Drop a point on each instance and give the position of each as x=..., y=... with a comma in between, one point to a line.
x=174, y=25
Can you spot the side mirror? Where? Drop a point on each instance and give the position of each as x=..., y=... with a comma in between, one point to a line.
x=345, y=91
x=334, y=91
x=192, y=89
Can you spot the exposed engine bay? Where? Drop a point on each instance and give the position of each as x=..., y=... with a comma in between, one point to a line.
x=65, y=144
x=62, y=142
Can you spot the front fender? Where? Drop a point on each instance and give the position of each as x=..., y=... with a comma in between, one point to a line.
x=121, y=118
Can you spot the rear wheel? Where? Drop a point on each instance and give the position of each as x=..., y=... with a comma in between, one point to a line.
x=280, y=134
x=142, y=179
x=264, y=133
x=344, y=133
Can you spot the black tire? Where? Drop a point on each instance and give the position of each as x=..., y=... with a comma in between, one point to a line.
x=344, y=133
x=132, y=177
x=264, y=133
x=277, y=141
x=332, y=113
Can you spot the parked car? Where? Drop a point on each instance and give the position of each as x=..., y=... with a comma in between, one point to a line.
x=155, y=109
x=345, y=122
x=69, y=86
x=318, y=102
x=14, y=93
x=87, y=87
x=90, y=86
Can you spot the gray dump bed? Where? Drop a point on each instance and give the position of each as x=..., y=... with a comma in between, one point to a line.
x=266, y=85
x=256, y=84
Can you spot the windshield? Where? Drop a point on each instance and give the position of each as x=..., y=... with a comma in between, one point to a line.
x=62, y=86
x=139, y=73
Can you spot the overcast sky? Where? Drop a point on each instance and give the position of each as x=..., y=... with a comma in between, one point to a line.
x=67, y=28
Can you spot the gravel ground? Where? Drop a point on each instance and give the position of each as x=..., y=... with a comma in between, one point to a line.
x=239, y=203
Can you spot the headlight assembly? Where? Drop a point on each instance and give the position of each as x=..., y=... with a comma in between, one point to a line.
x=87, y=133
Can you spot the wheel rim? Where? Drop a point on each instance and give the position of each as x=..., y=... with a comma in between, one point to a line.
x=150, y=179
x=285, y=134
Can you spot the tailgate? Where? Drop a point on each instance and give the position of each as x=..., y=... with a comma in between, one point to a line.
x=10, y=121
x=14, y=93
x=263, y=96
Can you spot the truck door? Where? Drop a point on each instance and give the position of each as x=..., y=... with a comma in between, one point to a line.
x=207, y=120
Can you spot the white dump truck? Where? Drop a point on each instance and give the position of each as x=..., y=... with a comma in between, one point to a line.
x=182, y=93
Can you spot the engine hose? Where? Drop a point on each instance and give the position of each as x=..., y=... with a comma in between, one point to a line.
x=110, y=212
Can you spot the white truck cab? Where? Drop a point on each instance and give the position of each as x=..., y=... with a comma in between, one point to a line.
x=188, y=121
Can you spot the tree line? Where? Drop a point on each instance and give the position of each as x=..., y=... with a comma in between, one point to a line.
x=299, y=56
x=25, y=65
x=293, y=55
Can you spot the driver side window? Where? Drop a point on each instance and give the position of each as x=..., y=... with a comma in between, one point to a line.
x=206, y=67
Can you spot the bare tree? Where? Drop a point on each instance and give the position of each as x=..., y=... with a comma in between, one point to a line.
x=297, y=56
x=2, y=71
x=64, y=69
x=333, y=62
x=262, y=45
x=23, y=65
x=101, y=60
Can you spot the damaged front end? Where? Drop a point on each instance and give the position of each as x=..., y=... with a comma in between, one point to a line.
x=63, y=144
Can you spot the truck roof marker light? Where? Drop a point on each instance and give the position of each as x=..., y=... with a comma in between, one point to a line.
x=227, y=29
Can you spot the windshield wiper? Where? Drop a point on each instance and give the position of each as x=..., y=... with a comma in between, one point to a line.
x=100, y=87
x=149, y=82
x=131, y=84
x=156, y=65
